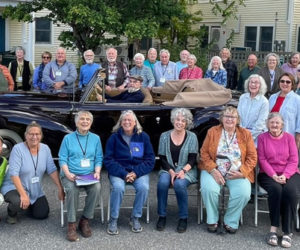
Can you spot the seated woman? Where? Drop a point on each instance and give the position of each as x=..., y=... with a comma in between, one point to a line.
x=216, y=71
x=129, y=158
x=228, y=156
x=279, y=176
x=80, y=153
x=253, y=106
x=192, y=71
x=177, y=151
x=22, y=187
x=132, y=94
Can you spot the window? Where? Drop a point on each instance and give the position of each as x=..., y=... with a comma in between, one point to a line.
x=204, y=31
x=298, y=43
x=259, y=38
x=250, y=37
x=42, y=30
x=266, y=39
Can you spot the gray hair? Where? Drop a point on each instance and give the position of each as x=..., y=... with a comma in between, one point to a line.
x=83, y=112
x=186, y=113
x=263, y=86
x=139, y=55
x=192, y=56
x=292, y=55
x=231, y=110
x=275, y=114
x=18, y=48
x=272, y=54
x=61, y=48
x=164, y=51
x=33, y=124
x=110, y=49
x=152, y=49
x=89, y=50
x=123, y=114
x=225, y=49
x=219, y=59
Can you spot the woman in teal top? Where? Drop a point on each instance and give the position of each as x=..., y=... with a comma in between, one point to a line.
x=177, y=151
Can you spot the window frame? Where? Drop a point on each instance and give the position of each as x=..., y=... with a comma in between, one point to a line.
x=43, y=30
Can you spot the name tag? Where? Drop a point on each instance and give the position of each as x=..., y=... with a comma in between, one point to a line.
x=111, y=77
x=20, y=79
x=58, y=73
x=35, y=179
x=85, y=163
x=162, y=80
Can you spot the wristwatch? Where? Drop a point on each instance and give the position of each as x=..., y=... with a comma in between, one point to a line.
x=184, y=171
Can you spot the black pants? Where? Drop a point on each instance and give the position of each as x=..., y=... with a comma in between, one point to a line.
x=38, y=210
x=282, y=200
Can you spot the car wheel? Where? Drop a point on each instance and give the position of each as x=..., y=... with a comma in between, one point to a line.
x=10, y=139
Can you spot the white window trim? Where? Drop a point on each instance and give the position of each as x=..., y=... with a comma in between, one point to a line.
x=259, y=26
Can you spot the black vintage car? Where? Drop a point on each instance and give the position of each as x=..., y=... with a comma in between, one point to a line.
x=55, y=113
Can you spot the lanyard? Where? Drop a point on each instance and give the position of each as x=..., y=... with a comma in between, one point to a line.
x=83, y=151
x=190, y=73
x=228, y=145
x=35, y=164
x=165, y=70
x=20, y=69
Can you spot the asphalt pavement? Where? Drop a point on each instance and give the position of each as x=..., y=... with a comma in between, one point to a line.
x=48, y=234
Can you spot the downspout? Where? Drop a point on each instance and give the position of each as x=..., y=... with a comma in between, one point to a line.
x=290, y=21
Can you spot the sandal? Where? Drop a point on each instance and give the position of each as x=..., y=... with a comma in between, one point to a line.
x=272, y=239
x=212, y=228
x=286, y=241
x=230, y=229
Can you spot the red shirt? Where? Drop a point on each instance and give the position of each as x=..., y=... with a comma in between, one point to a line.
x=278, y=104
x=195, y=73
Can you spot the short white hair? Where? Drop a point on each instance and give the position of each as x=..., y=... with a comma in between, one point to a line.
x=263, y=86
x=164, y=51
x=61, y=48
x=139, y=55
x=112, y=49
x=152, y=49
x=89, y=50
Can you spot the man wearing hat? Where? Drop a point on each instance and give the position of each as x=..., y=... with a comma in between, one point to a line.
x=132, y=94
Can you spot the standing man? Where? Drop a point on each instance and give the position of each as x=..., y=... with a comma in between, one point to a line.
x=247, y=71
x=87, y=70
x=230, y=67
x=184, y=54
x=152, y=55
x=164, y=70
x=117, y=75
x=60, y=74
x=21, y=71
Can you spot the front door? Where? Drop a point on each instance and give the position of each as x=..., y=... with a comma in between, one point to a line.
x=2, y=34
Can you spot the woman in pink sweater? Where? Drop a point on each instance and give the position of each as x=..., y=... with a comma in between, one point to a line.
x=279, y=176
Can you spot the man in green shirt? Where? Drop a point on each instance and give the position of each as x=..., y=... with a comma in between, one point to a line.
x=247, y=71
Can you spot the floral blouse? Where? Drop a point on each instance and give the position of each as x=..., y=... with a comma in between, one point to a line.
x=228, y=153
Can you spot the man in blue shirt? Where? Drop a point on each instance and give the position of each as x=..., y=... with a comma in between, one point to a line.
x=184, y=54
x=87, y=70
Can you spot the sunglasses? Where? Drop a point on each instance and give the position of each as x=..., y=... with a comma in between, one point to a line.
x=46, y=57
x=286, y=81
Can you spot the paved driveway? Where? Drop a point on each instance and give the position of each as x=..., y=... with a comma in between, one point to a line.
x=47, y=234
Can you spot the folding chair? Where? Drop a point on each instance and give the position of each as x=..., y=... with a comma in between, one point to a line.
x=82, y=195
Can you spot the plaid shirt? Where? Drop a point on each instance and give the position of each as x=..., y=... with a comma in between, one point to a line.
x=232, y=74
x=113, y=71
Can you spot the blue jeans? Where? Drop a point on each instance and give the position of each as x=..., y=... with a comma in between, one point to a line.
x=239, y=195
x=141, y=186
x=180, y=188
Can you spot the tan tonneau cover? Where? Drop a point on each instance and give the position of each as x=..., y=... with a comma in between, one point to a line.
x=194, y=93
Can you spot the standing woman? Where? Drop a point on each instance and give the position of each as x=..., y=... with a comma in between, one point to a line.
x=216, y=71
x=177, y=151
x=287, y=103
x=271, y=72
x=141, y=70
x=279, y=176
x=37, y=82
x=253, y=106
x=192, y=71
x=22, y=187
x=129, y=158
x=228, y=156
x=80, y=154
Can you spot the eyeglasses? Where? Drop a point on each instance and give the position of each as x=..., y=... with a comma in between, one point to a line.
x=46, y=57
x=285, y=81
x=89, y=55
x=32, y=135
x=230, y=117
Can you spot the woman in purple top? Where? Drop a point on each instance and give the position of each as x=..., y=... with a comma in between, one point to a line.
x=292, y=64
x=279, y=176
